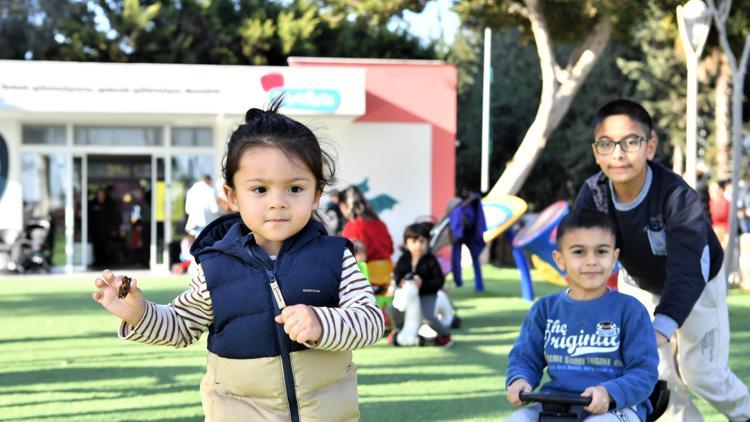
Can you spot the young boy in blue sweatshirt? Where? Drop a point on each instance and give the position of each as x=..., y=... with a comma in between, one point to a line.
x=671, y=261
x=593, y=340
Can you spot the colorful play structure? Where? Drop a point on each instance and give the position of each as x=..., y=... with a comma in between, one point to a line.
x=491, y=217
x=498, y=215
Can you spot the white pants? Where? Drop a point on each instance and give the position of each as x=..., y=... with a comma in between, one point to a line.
x=530, y=413
x=697, y=356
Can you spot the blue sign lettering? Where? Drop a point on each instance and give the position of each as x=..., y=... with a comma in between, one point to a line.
x=311, y=99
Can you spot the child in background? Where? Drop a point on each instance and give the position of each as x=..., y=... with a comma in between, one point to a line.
x=593, y=341
x=284, y=304
x=419, y=266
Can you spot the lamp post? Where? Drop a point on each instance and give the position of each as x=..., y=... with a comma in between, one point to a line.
x=694, y=22
x=486, y=80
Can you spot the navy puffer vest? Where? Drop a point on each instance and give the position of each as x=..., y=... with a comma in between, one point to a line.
x=238, y=273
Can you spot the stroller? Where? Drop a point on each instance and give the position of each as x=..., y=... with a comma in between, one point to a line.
x=31, y=251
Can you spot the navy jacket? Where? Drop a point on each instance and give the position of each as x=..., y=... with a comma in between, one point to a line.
x=666, y=242
x=238, y=273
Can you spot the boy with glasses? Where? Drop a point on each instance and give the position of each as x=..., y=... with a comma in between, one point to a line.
x=671, y=261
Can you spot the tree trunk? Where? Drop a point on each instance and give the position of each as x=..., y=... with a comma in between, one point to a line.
x=559, y=87
x=723, y=131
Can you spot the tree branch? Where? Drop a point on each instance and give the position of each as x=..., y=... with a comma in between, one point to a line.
x=745, y=53
x=720, y=22
x=518, y=9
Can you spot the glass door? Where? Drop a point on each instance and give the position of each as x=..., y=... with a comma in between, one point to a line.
x=118, y=203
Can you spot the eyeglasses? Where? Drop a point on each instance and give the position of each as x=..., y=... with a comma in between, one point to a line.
x=628, y=144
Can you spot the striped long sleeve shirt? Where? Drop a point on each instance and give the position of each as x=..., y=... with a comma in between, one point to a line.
x=357, y=321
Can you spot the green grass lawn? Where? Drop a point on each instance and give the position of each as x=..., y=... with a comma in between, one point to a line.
x=60, y=358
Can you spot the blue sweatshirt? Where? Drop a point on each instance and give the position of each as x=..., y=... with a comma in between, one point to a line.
x=607, y=341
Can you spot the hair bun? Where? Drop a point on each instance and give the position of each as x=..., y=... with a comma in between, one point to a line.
x=253, y=114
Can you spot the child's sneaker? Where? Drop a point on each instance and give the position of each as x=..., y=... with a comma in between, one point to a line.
x=443, y=341
x=391, y=339
x=456, y=323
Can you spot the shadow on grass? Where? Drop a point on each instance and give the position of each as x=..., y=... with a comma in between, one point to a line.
x=162, y=374
x=109, y=415
x=482, y=404
x=109, y=394
x=63, y=303
x=24, y=340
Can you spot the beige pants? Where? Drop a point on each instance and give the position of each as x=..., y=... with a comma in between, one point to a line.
x=697, y=355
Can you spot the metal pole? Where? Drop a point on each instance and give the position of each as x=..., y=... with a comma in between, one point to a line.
x=691, y=150
x=693, y=23
x=485, y=175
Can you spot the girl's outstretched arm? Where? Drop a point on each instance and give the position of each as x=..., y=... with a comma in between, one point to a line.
x=129, y=306
x=178, y=324
x=357, y=321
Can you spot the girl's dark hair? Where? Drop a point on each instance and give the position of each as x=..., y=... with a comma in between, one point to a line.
x=417, y=230
x=271, y=128
x=629, y=108
x=585, y=219
x=358, y=205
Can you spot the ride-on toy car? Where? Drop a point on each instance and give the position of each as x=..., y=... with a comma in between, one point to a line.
x=556, y=407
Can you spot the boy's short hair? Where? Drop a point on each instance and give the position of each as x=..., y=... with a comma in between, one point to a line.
x=417, y=230
x=629, y=108
x=359, y=247
x=585, y=219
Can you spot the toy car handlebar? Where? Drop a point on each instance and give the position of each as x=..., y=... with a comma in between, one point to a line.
x=555, y=398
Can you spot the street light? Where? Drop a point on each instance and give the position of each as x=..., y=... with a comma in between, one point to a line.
x=694, y=22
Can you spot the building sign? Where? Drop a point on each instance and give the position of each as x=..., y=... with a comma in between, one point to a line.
x=307, y=99
x=73, y=87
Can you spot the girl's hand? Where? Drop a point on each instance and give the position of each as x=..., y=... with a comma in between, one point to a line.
x=129, y=309
x=599, y=400
x=418, y=281
x=515, y=389
x=301, y=323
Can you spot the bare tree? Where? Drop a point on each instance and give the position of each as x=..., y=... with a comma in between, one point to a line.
x=720, y=17
x=559, y=88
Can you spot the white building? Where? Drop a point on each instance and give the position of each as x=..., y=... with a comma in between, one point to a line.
x=147, y=131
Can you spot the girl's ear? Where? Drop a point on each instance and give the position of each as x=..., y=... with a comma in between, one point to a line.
x=231, y=198
x=316, y=200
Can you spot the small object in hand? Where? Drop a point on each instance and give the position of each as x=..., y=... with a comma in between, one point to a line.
x=124, y=287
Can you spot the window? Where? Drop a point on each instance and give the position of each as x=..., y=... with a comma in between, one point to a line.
x=43, y=135
x=192, y=137
x=118, y=136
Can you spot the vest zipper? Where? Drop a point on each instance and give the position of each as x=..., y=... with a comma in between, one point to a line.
x=281, y=337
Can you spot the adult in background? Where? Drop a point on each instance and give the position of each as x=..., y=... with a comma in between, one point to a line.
x=363, y=224
x=201, y=205
x=104, y=223
x=719, y=206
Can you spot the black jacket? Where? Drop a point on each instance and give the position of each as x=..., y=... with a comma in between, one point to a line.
x=428, y=269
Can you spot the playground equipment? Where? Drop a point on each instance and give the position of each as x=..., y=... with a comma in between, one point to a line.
x=538, y=238
x=499, y=214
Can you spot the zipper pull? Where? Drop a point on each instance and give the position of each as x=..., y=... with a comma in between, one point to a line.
x=277, y=295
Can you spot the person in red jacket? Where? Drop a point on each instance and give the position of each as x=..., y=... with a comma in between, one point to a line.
x=364, y=225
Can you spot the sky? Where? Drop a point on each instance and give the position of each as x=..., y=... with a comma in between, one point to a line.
x=436, y=16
